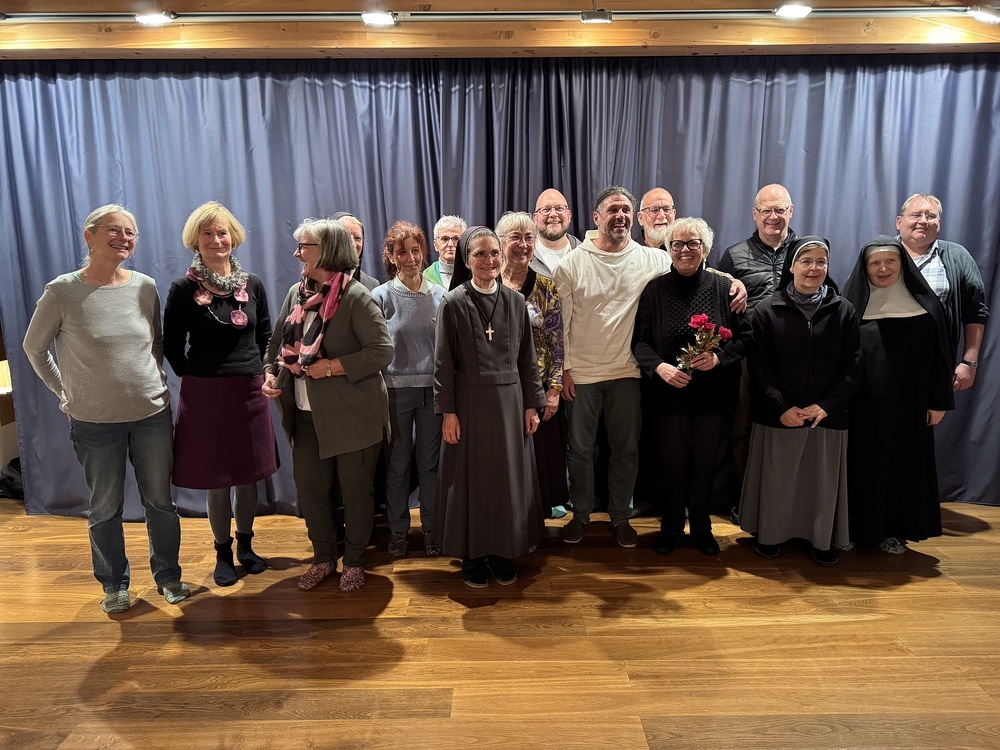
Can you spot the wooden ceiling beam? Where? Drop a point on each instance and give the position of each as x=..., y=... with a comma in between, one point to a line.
x=819, y=35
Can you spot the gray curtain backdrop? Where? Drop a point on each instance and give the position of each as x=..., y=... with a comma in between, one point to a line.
x=278, y=141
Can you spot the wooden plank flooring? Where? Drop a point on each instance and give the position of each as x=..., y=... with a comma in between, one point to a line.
x=593, y=647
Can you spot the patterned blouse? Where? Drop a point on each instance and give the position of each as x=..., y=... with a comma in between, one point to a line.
x=545, y=314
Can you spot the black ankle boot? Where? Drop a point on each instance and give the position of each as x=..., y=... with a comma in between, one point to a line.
x=249, y=559
x=225, y=571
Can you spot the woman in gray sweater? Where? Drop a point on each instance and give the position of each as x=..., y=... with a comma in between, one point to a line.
x=104, y=322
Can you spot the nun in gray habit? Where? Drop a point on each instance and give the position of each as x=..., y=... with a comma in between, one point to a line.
x=804, y=368
x=487, y=388
x=905, y=391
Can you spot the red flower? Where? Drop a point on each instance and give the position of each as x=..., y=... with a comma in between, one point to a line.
x=724, y=333
x=709, y=327
x=698, y=321
x=238, y=318
x=240, y=295
x=203, y=297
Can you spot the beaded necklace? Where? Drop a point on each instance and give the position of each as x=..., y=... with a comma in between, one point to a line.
x=235, y=283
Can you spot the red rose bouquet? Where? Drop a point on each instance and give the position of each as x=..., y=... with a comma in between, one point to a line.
x=707, y=337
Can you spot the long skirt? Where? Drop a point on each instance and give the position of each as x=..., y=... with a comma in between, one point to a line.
x=224, y=436
x=796, y=486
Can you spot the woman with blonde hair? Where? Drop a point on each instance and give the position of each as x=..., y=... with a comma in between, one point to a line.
x=216, y=327
x=104, y=322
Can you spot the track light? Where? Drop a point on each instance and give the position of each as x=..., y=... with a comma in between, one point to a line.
x=379, y=18
x=156, y=18
x=984, y=13
x=594, y=15
x=793, y=10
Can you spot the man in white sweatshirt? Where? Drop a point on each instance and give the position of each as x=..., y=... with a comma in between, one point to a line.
x=599, y=285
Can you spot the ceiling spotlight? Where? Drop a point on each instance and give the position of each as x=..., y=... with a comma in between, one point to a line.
x=595, y=16
x=793, y=10
x=379, y=18
x=984, y=13
x=156, y=18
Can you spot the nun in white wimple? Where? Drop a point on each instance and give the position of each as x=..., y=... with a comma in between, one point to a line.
x=905, y=391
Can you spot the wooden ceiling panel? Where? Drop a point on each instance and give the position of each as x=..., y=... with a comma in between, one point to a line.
x=817, y=34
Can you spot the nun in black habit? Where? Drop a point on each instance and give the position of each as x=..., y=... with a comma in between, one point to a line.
x=487, y=388
x=905, y=390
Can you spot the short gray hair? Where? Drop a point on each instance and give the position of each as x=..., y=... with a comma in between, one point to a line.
x=924, y=197
x=696, y=226
x=511, y=220
x=336, y=248
x=450, y=220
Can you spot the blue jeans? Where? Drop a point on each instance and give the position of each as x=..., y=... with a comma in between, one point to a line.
x=101, y=450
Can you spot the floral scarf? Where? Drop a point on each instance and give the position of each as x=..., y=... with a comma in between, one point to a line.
x=300, y=347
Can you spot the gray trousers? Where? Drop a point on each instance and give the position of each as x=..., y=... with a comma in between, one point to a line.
x=618, y=401
x=412, y=410
x=314, y=477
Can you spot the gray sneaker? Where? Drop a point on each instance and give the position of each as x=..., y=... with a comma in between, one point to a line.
x=175, y=591
x=625, y=535
x=116, y=602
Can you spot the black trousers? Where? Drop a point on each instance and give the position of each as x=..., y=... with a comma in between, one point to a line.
x=689, y=450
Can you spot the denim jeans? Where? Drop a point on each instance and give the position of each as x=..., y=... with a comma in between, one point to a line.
x=101, y=449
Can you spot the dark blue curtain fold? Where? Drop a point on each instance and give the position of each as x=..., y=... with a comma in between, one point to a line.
x=278, y=141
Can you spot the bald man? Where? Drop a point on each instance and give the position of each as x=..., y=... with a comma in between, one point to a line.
x=552, y=218
x=657, y=211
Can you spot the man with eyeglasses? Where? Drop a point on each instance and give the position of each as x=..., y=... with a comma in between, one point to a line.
x=657, y=211
x=447, y=233
x=357, y=231
x=552, y=217
x=952, y=274
x=757, y=262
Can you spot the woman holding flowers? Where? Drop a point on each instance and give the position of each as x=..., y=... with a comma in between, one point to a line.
x=688, y=343
x=804, y=368
x=216, y=327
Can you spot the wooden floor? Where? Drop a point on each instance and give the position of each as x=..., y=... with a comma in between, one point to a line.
x=594, y=647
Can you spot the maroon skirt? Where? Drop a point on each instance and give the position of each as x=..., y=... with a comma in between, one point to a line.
x=224, y=435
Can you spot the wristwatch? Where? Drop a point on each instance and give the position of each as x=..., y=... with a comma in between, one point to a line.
x=973, y=365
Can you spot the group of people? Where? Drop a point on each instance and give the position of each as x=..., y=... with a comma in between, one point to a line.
x=489, y=374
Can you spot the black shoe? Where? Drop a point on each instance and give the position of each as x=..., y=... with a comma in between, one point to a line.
x=768, y=551
x=667, y=542
x=225, y=571
x=502, y=570
x=706, y=544
x=825, y=557
x=475, y=573
x=734, y=515
x=249, y=559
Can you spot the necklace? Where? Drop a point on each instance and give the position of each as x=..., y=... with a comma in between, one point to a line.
x=487, y=321
x=509, y=282
x=235, y=283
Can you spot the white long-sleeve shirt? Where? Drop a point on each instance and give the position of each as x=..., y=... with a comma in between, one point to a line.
x=599, y=292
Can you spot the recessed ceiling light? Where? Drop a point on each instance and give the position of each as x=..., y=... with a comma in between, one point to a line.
x=793, y=10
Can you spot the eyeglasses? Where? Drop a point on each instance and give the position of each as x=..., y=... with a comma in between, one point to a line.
x=301, y=245
x=448, y=240
x=654, y=210
x=482, y=255
x=679, y=245
x=918, y=215
x=522, y=239
x=767, y=212
x=809, y=263
x=115, y=230
x=543, y=210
